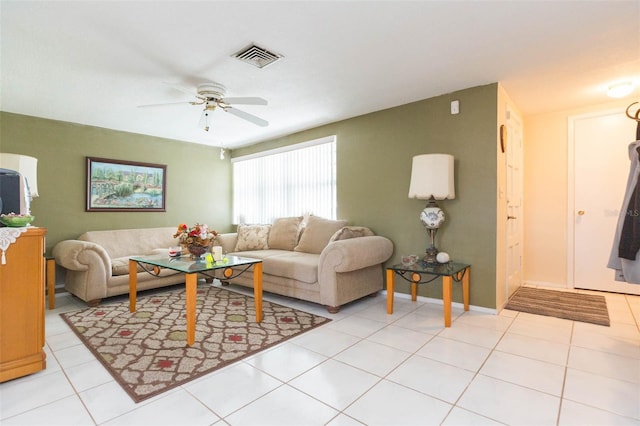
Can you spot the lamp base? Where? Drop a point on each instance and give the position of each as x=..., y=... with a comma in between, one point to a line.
x=431, y=217
x=432, y=251
x=431, y=255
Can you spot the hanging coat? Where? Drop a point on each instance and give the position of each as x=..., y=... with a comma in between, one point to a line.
x=626, y=244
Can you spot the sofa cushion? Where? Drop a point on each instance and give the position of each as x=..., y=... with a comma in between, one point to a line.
x=317, y=233
x=298, y=266
x=253, y=237
x=284, y=233
x=351, y=232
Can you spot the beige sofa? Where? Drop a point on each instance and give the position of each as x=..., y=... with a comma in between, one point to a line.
x=322, y=261
x=97, y=263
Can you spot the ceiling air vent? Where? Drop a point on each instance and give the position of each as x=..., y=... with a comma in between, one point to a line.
x=257, y=56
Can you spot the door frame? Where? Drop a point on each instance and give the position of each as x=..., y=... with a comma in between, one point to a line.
x=571, y=183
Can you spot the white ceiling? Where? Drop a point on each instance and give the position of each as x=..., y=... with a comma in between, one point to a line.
x=95, y=62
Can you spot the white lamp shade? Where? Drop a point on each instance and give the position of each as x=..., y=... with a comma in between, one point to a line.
x=25, y=165
x=432, y=176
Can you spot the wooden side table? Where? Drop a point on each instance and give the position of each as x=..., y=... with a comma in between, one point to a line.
x=51, y=281
x=449, y=272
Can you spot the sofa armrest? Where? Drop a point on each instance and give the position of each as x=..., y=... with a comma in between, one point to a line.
x=354, y=253
x=352, y=268
x=88, y=268
x=227, y=241
x=77, y=255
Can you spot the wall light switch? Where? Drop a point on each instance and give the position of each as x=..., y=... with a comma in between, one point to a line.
x=455, y=107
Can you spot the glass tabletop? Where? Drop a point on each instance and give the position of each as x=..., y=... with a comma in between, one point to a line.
x=422, y=267
x=188, y=265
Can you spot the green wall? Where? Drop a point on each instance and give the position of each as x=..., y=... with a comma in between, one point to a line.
x=374, y=154
x=198, y=182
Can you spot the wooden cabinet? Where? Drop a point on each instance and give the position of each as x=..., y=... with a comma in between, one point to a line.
x=22, y=306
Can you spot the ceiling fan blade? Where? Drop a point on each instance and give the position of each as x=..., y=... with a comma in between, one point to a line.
x=246, y=116
x=166, y=104
x=245, y=101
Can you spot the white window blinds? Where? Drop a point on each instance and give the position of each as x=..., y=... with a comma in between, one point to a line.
x=291, y=181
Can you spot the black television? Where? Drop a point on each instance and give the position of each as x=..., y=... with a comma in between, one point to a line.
x=14, y=193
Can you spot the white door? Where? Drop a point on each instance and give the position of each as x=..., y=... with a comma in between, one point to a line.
x=600, y=144
x=514, y=202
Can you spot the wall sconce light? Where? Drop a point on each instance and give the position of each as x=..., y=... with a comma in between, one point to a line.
x=432, y=179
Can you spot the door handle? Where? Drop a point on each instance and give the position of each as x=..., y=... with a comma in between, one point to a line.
x=580, y=212
x=511, y=217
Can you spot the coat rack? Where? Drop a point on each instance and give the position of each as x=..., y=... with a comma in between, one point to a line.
x=635, y=117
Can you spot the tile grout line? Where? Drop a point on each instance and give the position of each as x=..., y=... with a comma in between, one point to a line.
x=566, y=370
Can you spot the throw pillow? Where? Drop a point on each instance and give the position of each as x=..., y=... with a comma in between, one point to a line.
x=351, y=232
x=284, y=233
x=253, y=237
x=317, y=234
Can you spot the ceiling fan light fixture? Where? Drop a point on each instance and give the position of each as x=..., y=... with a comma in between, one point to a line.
x=620, y=90
x=211, y=91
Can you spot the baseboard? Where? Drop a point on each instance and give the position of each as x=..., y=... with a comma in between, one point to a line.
x=441, y=303
x=545, y=284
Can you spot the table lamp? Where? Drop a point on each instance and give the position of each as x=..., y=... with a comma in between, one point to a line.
x=432, y=179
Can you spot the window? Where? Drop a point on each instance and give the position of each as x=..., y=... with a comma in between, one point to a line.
x=289, y=181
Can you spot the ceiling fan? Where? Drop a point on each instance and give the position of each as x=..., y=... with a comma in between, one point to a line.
x=212, y=96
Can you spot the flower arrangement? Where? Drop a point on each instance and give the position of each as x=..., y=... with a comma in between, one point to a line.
x=197, y=235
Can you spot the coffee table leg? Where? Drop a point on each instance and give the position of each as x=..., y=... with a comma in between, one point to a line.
x=447, y=284
x=191, y=290
x=133, y=283
x=390, y=286
x=257, y=290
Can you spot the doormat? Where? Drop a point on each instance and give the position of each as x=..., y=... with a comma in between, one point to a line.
x=146, y=351
x=589, y=308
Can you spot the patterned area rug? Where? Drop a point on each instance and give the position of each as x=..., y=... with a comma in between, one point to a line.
x=561, y=304
x=146, y=351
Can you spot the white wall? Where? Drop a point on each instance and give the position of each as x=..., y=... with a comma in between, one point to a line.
x=545, y=194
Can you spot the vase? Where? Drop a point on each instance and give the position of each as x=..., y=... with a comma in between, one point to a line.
x=197, y=251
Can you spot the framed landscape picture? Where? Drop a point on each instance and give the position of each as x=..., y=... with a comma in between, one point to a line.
x=125, y=186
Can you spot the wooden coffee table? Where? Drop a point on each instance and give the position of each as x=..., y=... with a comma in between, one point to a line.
x=154, y=264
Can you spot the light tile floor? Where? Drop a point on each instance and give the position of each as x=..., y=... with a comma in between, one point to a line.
x=367, y=367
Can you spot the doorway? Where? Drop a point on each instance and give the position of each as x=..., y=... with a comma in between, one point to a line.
x=599, y=165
